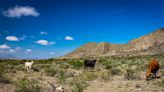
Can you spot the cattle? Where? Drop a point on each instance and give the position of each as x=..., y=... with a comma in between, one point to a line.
x=89, y=63
x=153, y=67
x=28, y=65
x=53, y=88
x=35, y=69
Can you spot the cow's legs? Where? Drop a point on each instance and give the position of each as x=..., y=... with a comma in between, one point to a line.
x=153, y=75
x=156, y=76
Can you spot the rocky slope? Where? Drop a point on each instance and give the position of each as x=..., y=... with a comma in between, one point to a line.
x=152, y=43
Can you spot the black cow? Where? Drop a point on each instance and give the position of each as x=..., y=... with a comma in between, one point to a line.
x=89, y=63
x=35, y=69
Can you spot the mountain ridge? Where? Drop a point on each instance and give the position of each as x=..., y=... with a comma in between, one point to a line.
x=148, y=44
x=7, y=56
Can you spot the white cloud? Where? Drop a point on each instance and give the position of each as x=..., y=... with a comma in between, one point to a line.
x=43, y=33
x=18, y=48
x=11, y=50
x=12, y=38
x=69, y=38
x=18, y=11
x=51, y=53
x=51, y=43
x=23, y=37
x=44, y=42
x=29, y=50
x=4, y=46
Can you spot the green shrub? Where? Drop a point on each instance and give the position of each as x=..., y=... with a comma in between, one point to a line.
x=2, y=78
x=115, y=71
x=25, y=85
x=106, y=75
x=70, y=74
x=78, y=85
x=131, y=74
x=61, y=76
x=77, y=64
x=1, y=69
x=45, y=61
x=106, y=63
x=89, y=76
x=50, y=71
x=64, y=66
x=14, y=62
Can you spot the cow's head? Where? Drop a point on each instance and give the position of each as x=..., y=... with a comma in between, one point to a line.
x=148, y=76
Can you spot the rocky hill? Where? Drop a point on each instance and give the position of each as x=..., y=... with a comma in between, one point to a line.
x=152, y=43
x=6, y=56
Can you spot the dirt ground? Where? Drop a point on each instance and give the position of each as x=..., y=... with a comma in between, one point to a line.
x=118, y=84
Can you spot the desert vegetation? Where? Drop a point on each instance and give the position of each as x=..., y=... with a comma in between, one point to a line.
x=125, y=74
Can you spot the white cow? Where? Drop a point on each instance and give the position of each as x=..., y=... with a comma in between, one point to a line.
x=53, y=88
x=60, y=89
x=28, y=65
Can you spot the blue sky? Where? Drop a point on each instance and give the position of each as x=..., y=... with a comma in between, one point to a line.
x=51, y=28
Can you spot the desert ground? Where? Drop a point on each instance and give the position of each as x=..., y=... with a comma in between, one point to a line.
x=111, y=74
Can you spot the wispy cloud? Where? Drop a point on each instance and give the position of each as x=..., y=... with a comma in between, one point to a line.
x=18, y=48
x=44, y=42
x=12, y=38
x=43, y=33
x=11, y=50
x=4, y=46
x=23, y=37
x=28, y=51
x=52, y=53
x=19, y=11
x=69, y=38
x=51, y=43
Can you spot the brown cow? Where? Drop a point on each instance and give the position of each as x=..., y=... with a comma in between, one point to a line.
x=153, y=67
